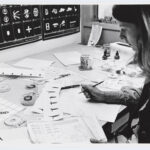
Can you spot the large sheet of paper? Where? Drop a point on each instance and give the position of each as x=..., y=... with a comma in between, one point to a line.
x=71, y=130
x=34, y=63
x=73, y=103
x=68, y=58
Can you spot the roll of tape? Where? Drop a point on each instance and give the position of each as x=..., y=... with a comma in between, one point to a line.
x=28, y=99
x=4, y=88
x=14, y=121
x=31, y=86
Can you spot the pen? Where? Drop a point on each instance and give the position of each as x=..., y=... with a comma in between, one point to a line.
x=62, y=76
x=70, y=86
x=94, y=85
x=123, y=44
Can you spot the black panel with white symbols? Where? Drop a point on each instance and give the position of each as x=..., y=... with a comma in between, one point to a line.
x=60, y=20
x=22, y=24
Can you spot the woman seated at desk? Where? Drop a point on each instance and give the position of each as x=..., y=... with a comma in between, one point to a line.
x=134, y=21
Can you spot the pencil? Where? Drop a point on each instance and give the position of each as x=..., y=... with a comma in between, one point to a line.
x=95, y=85
x=98, y=83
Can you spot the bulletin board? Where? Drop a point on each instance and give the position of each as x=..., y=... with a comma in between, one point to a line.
x=22, y=24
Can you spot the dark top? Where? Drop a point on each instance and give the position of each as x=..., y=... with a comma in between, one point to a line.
x=144, y=115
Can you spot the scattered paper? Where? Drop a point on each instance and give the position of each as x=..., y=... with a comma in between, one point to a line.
x=68, y=58
x=8, y=108
x=72, y=102
x=15, y=136
x=34, y=63
x=95, y=75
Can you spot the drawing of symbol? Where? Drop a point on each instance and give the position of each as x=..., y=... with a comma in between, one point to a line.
x=26, y=13
x=55, y=25
x=5, y=11
x=75, y=9
x=35, y=12
x=19, y=30
x=47, y=25
x=28, y=29
x=8, y=33
x=62, y=10
x=6, y=19
x=54, y=11
x=62, y=23
x=69, y=9
x=46, y=12
x=16, y=15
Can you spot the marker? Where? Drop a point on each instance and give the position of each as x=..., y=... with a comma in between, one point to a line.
x=94, y=85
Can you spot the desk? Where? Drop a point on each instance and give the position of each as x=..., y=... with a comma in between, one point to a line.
x=18, y=85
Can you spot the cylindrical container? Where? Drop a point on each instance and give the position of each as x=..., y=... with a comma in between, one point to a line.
x=86, y=62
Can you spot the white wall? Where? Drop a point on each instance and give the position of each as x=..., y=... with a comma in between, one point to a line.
x=37, y=47
x=104, y=10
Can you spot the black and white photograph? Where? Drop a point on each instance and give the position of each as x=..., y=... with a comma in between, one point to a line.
x=74, y=73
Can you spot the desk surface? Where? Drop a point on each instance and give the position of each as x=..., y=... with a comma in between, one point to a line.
x=18, y=86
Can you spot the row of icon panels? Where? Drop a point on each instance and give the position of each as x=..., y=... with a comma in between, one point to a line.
x=27, y=29
x=59, y=24
x=18, y=13
x=20, y=30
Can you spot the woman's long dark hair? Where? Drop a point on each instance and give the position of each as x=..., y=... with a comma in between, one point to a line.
x=140, y=16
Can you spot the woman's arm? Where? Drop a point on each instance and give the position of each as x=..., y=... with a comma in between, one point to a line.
x=126, y=96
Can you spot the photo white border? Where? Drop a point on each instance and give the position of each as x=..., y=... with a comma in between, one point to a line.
x=75, y=147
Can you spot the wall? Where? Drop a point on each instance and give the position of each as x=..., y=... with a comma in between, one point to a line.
x=88, y=14
x=110, y=32
x=104, y=10
x=37, y=47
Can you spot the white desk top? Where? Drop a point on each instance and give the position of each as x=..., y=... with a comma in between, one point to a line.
x=18, y=86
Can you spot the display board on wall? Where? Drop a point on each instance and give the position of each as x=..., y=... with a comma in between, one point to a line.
x=60, y=20
x=21, y=24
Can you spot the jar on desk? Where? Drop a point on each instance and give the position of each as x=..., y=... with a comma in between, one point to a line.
x=86, y=62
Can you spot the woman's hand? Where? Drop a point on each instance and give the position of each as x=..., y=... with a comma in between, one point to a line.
x=92, y=93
